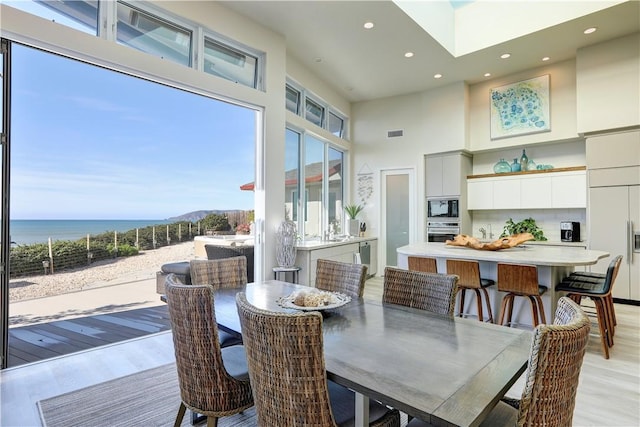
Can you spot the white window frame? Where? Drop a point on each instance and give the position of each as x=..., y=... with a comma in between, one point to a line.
x=328, y=108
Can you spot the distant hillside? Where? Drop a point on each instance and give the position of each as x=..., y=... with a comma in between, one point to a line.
x=198, y=215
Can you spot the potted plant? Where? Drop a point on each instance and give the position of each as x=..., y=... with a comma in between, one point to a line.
x=352, y=211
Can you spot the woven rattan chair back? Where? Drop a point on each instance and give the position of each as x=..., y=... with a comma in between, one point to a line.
x=551, y=381
x=219, y=273
x=205, y=385
x=342, y=277
x=424, y=264
x=219, y=252
x=286, y=366
x=427, y=291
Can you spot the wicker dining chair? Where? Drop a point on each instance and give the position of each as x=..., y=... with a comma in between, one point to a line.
x=424, y=264
x=598, y=288
x=553, y=370
x=468, y=273
x=335, y=276
x=221, y=273
x=220, y=251
x=285, y=354
x=427, y=291
x=213, y=381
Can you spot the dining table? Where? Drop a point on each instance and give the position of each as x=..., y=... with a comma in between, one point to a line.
x=442, y=369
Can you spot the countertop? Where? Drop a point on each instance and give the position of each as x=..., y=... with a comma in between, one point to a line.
x=523, y=254
x=308, y=245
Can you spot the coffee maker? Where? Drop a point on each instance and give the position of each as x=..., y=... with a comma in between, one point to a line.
x=570, y=231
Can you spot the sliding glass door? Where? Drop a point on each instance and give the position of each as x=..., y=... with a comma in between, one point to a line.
x=5, y=89
x=94, y=147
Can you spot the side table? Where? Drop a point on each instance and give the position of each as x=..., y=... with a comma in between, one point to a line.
x=280, y=273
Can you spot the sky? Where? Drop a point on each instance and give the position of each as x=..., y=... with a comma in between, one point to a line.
x=89, y=143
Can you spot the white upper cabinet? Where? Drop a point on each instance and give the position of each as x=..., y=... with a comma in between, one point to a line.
x=444, y=174
x=548, y=190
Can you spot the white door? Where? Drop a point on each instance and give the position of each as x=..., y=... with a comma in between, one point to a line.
x=398, y=212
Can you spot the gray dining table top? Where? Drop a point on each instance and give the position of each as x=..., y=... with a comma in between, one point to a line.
x=444, y=370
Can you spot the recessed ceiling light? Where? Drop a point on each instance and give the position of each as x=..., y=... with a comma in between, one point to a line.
x=437, y=76
x=408, y=55
x=369, y=25
x=505, y=55
x=546, y=58
x=487, y=74
x=590, y=30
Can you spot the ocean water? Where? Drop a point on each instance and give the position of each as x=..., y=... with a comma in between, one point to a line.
x=27, y=231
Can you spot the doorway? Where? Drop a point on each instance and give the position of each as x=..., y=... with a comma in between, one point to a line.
x=398, y=212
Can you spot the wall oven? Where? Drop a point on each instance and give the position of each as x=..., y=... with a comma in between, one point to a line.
x=440, y=232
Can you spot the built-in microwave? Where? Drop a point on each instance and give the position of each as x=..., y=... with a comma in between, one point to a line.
x=442, y=209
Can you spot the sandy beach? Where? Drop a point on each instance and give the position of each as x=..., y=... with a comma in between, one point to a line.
x=140, y=267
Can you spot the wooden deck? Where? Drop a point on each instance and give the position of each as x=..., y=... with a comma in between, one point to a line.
x=45, y=340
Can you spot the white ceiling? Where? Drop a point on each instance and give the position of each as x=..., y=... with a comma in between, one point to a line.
x=328, y=37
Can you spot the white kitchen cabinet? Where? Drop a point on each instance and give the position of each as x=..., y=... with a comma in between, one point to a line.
x=506, y=193
x=479, y=194
x=444, y=174
x=535, y=192
x=569, y=190
x=307, y=256
x=539, y=190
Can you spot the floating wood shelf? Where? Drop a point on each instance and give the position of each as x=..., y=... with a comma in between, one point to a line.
x=493, y=175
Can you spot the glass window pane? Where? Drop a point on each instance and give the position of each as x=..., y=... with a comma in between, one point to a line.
x=80, y=15
x=336, y=186
x=314, y=112
x=293, y=100
x=314, y=179
x=229, y=63
x=335, y=125
x=153, y=35
x=291, y=177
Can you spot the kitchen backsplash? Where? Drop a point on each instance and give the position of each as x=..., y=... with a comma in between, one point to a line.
x=548, y=220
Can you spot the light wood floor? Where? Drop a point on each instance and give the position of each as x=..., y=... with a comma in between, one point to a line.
x=608, y=394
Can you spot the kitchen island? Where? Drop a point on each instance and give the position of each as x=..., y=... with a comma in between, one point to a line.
x=553, y=263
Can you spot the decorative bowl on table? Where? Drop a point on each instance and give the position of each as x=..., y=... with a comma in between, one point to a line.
x=313, y=300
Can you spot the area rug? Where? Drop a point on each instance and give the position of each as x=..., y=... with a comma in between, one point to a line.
x=147, y=398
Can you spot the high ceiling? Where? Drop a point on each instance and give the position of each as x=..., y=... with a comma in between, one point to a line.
x=328, y=37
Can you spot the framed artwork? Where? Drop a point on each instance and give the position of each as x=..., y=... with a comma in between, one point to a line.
x=520, y=108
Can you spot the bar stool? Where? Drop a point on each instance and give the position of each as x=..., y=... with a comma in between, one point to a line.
x=424, y=264
x=521, y=281
x=469, y=278
x=598, y=287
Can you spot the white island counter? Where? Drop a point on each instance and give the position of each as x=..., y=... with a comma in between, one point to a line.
x=553, y=263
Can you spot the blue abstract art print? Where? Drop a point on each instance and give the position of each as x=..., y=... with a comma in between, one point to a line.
x=520, y=108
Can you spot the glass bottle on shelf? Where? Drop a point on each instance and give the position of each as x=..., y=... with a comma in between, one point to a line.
x=524, y=161
x=515, y=166
x=502, y=166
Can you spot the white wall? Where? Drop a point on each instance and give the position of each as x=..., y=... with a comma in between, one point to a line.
x=432, y=123
x=609, y=85
x=562, y=88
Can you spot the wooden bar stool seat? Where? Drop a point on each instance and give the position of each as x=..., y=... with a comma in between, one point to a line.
x=520, y=281
x=424, y=264
x=469, y=278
